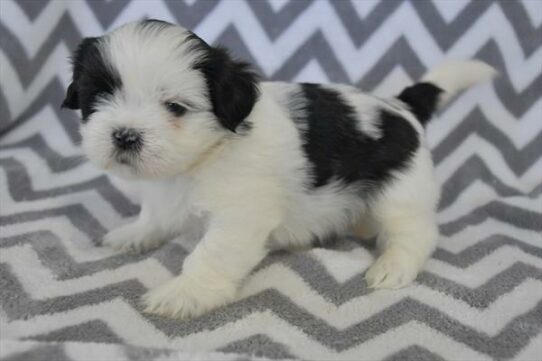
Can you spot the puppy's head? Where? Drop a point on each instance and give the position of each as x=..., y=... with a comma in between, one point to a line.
x=155, y=98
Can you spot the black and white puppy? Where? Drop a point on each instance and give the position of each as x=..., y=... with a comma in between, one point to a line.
x=266, y=165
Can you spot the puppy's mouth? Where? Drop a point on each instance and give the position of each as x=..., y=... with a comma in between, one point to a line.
x=125, y=158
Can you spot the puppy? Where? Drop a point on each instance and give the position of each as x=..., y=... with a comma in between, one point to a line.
x=264, y=165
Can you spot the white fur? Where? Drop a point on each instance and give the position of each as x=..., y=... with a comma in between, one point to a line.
x=405, y=216
x=249, y=190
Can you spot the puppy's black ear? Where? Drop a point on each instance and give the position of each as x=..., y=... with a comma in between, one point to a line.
x=86, y=46
x=72, y=97
x=233, y=87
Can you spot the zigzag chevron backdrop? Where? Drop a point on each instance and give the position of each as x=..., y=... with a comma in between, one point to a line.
x=481, y=294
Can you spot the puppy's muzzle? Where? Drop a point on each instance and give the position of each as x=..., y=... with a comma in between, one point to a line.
x=127, y=139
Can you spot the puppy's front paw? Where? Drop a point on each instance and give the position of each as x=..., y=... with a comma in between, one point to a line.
x=130, y=239
x=395, y=268
x=180, y=298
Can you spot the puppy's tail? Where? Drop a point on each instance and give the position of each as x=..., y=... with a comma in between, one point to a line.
x=439, y=85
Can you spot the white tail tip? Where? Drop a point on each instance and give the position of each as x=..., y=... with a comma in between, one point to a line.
x=453, y=77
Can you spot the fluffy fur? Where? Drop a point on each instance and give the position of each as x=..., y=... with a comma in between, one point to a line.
x=262, y=165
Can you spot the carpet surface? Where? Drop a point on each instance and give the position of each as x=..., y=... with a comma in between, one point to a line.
x=479, y=297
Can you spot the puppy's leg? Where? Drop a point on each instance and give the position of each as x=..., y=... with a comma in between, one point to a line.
x=156, y=223
x=164, y=213
x=141, y=235
x=405, y=213
x=212, y=273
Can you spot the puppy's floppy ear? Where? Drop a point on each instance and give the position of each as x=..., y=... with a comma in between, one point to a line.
x=71, y=101
x=233, y=87
x=72, y=97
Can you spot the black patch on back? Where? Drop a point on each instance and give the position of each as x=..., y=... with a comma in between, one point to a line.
x=232, y=85
x=92, y=78
x=338, y=150
x=422, y=99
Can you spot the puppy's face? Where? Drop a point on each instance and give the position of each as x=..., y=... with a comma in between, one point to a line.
x=154, y=98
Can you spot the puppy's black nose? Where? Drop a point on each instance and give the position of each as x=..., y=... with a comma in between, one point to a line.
x=127, y=139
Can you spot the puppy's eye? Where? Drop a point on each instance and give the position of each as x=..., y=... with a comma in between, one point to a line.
x=175, y=108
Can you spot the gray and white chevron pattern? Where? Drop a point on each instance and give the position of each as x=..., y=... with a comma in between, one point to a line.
x=480, y=297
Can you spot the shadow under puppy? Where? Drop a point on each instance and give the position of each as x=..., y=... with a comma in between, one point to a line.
x=266, y=165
